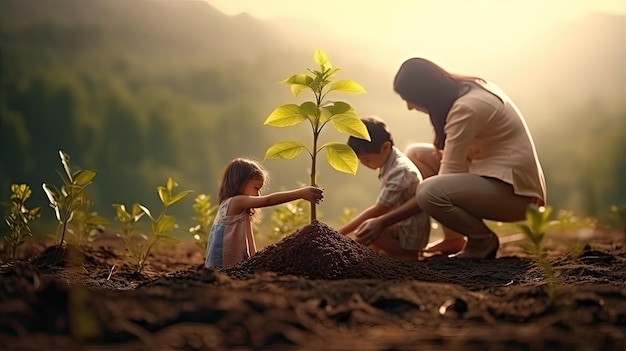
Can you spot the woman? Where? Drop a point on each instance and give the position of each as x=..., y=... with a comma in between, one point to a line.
x=488, y=165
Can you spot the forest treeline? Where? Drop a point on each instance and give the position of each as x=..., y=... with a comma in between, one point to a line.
x=127, y=98
x=143, y=90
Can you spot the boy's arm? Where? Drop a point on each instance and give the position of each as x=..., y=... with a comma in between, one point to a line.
x=371, y=212
x=243, y=202
x=370, y=230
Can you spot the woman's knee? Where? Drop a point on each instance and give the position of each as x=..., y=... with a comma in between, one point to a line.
x=429, y=195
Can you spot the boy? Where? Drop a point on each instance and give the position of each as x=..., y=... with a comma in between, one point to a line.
x=399, y=178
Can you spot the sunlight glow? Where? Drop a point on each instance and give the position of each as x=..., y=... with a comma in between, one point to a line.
x=444, y=28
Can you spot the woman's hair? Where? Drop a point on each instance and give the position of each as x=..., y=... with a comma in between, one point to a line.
x=379, y=134
x=425, y=84
x=237, y=174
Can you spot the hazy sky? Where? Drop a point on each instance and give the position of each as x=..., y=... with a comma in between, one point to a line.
x=355, y=11
x=441, y=27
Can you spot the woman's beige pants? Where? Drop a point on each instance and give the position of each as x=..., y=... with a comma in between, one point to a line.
x=461, y=201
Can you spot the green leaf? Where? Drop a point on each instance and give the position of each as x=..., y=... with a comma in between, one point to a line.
x=285, y=116
x=347, y=86
x=84, y=177
x=285, y=150
x=298, y=83
x=310, y=110
x=171, y=184
x=297, y=89
x=146, y=211
x=179, y=196
x=52, y=192
x=164, y=195
x=351, y=125
x=121, y=214
x=20, y=191
x=299, y=79
x=335, y=108
x=332, y=72
x=321, y=59
x=35, y=212
x=137, y=211
x=65, y=160
x=165, y=224
x=341, y=157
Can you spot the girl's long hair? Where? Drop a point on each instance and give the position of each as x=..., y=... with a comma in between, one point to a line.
x=236, y=175
x=425, y=84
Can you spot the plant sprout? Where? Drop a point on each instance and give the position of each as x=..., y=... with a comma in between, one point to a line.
x=319, y=112
x=535, y=228
x=19, y=217
x=71, y=197
x=161, y=225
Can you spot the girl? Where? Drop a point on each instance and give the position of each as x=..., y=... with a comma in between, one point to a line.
x=484, y=158
x=231, y=239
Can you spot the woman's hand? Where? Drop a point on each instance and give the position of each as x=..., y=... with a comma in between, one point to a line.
x=312, y=194
x=369, y=231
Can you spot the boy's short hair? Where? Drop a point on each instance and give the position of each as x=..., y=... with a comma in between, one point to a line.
x=378, y=135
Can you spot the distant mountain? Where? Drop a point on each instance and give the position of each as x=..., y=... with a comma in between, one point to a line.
x=165, y=28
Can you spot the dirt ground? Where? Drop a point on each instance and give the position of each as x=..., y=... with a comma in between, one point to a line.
x=314, y=290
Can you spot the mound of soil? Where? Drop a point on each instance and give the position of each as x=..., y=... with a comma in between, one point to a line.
x=315, y=289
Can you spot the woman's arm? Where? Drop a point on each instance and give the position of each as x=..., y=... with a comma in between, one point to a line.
x=371, y=212
x=463, y=125
x=240, y=203
x=370, y=230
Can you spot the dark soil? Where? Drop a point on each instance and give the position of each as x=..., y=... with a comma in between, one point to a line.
x=315, y=289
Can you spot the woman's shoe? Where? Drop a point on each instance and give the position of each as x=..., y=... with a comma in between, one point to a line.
x=480, y=248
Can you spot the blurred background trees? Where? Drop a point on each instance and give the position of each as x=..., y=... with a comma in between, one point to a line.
x=144, y=90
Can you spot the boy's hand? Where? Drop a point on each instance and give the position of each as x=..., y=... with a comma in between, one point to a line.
x=369, y=231
x=312, y=194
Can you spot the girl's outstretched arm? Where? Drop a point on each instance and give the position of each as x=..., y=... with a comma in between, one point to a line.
x=240, y=203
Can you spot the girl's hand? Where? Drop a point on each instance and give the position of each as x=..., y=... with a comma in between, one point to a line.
x=369, y=231
x=312, y=194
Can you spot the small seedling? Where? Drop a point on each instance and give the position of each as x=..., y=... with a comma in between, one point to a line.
x=205, y=214
x=129, y=221
x=71, y=197
x=318, y=113
x=19, y=217
x=535, y=228
x=160, y=225
x=86, y=225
